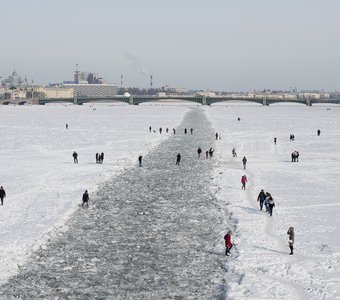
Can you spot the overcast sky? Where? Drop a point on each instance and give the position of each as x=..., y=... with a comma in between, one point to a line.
x=210, y=44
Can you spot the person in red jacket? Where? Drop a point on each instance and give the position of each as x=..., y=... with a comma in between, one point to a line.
x=244, y=180
x=228, y=243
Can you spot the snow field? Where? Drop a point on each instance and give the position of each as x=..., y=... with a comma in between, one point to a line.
x=305, y=195
x=43, y=185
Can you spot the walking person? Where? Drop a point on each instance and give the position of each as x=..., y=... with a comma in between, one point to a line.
x=174, y=130
x=228, y=243
x=291, y=237
x=211, y=152
x=66, y=126
x=271, y=205
x=206, y=154
x=244, y=180
x=150, y=129
x=167, y=130
x=140, y=158
x=275, y=140
x=75, y=157
x=244, y=161
x=97, y=158
x=234, y=152
x=266, y=199
x=318, y=132
x=216, y=136
x=185, y=131
x=178, y=159
x=297, y=154
x=101, y=157
x=2, y=195
x=160, y=130
x=191, y=131
x=86, y=198
x=199, y=151
x=260, y=198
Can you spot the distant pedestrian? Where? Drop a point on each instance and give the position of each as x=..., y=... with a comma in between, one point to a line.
x=167, y=130
x=291, y=237
x=178, y=159
x=199, y=151
x=318, y=132
x=86, y=199
x=101, y=158
x=234, y=152
x=185, y=131
x=293, y=156
x=2, y=195
x=275, y=140
x=266, y=201
x=150, y=128
x=75, y=157
x=140, y=158
x=244, y=161
x=174, y=130
x=206, y=154
x=97, y=158
x=191, y=131
x=216, y=136
x=244, y=180
x=228, y=243
x=271, y=205
x=211, y=152
x=238, y=119
x=260, y=198
x=297, y=154
x=160, y=130
x=66, y=126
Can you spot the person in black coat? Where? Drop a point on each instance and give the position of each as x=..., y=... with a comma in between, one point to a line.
x=101, y=157
x=260, y=198
x=178, y=160
x=140, y=158
x=97, y=158
x=291, y=237
x=244, y=161
x=86, y=198
x=199, y=151
x=2, y=195
x=75, y=157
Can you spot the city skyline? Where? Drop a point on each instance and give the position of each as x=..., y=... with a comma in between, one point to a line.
x=220, y=45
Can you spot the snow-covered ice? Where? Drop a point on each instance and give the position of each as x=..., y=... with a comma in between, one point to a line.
x=44, y=189
x=306, y=195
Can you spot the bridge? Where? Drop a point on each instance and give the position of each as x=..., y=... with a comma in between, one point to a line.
x=135, y=100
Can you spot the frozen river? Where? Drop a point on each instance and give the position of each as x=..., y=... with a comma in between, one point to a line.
x=150, y=233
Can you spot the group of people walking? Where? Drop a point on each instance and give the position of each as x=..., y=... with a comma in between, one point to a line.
x=173, y=130
x=295, y=156
x=99, y=158
x=267, y=200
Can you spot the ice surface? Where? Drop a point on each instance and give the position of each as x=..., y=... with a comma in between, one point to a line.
x=150, y=233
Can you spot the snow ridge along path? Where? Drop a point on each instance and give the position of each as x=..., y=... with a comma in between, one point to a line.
x=150, y=233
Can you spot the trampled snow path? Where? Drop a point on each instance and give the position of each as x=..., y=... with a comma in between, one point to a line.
x=150, y=233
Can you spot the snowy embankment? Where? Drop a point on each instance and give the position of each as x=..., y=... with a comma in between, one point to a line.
x=43, y=185
x=306, y=194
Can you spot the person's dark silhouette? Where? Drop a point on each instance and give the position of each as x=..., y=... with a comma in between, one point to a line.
x=216, y=135
x=211, y=152
x=86, y=199
x=185, y=131
x=275, y=140
x=318, y=132
x=167, y=130
x=178, y=160
x=97, y=158
x=244, y=161
x=150, y=129
x=191, y=131
x=101, y=157
x=2, y=195
x=140, y=158
x=66, y=126
x=206, y=154
x=199, y=151
x=174, y=130
x=75, y=157
x=160, y=130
